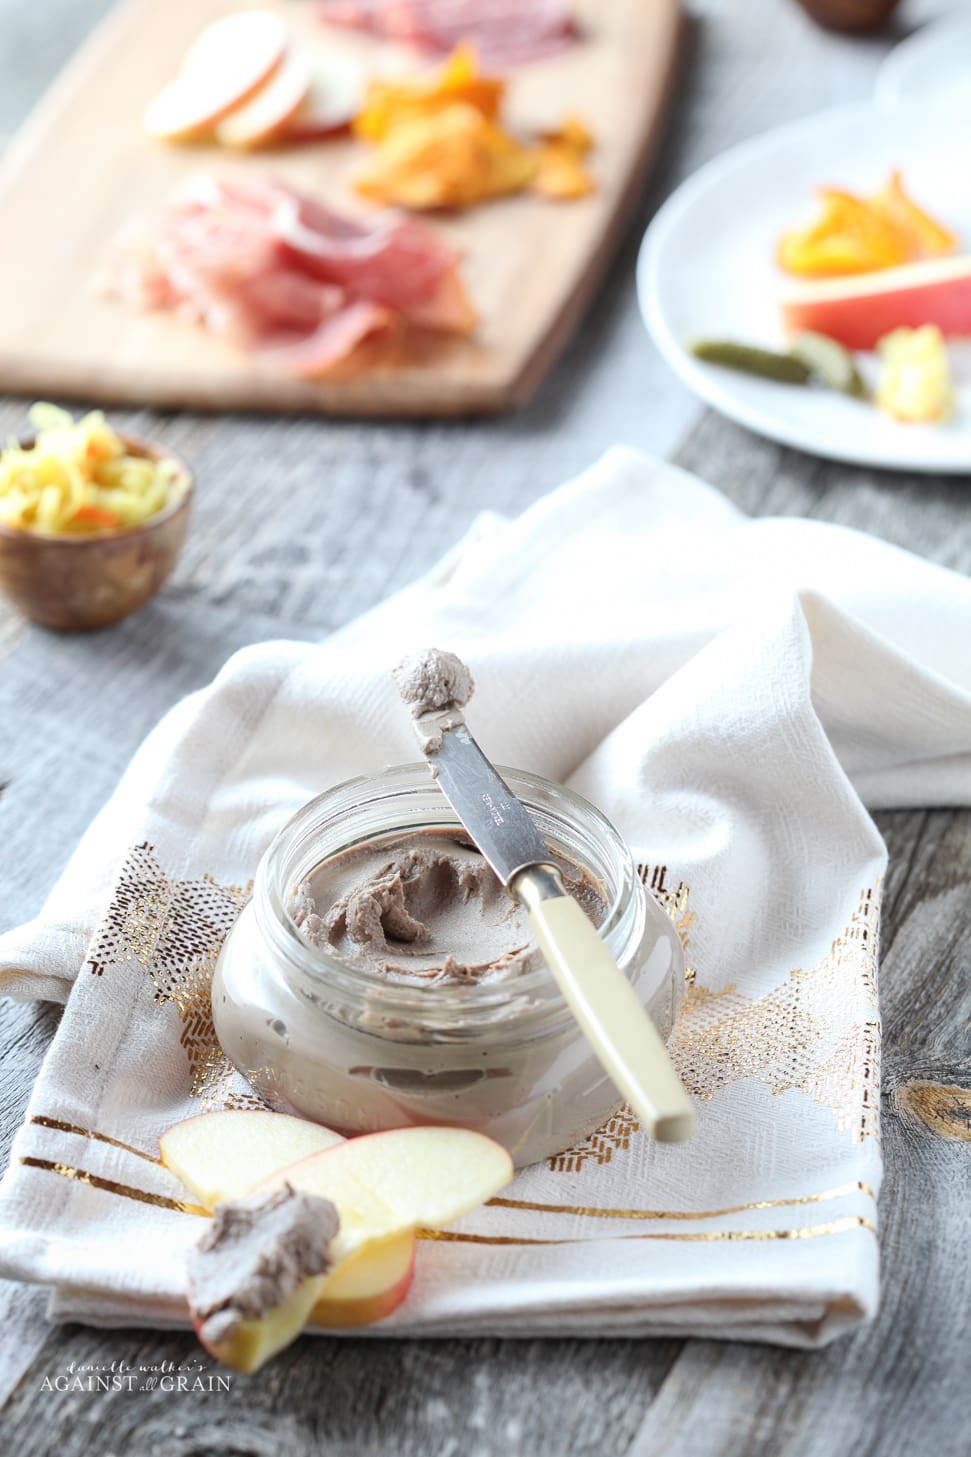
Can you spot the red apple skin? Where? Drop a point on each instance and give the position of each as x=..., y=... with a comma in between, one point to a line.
x=290, y=85
x=383, y=1135
x=346, y=1314
x=244, y=1350
x=858, y=318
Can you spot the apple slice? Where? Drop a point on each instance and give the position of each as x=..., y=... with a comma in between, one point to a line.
x=220, y=1156
x=251, y=1343
x=367, y=1285
x=389, y=1183
x=335, y=97
x=254, y=1275
x=262, y=119
x=226, y=64
x=860, y=310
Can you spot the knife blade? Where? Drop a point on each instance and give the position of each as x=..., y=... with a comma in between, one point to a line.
x=502, y=827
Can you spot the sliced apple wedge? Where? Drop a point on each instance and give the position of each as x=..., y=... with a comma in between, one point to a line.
x=334, y=99
x=251, y=1343
x=221, y=1156
x=253, y=39
x=367, y=1285
x=256, y=1271
x=860, y=310
x=404, y=1179
x=390, y=1185
x=266, y=115
x=227, y=63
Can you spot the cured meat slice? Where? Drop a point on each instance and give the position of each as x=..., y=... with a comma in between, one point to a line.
x=275, y=271
x=394, y=261
x=336, y=336
x=504, y=32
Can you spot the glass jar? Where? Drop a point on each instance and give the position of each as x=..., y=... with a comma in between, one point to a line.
x=342, y=1045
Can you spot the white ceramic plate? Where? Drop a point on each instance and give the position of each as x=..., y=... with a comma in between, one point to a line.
x=706, y=269
x=933, y=64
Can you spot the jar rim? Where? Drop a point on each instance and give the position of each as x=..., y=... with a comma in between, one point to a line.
x=435, y=999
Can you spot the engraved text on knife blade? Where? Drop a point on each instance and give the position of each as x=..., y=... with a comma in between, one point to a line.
x=501, y=827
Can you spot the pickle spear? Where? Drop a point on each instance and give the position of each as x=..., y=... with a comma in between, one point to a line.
x=784, y=368
x=829, y=362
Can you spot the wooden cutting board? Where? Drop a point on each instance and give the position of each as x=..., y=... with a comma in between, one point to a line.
x=82, y=166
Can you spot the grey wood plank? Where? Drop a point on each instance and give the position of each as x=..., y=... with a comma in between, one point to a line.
x=25, y=1032
x=930, y=515
x=395, y=1398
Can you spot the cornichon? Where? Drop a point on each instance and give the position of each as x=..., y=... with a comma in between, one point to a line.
x=785, y=368
x=829, y=362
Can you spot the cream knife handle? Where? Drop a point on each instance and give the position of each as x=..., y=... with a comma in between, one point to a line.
x=606, y=1006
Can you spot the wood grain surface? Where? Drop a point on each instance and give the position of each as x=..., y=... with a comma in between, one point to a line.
x=364, y=508
x=83, y=167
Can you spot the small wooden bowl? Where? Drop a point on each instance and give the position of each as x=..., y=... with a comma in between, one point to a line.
x=75, y=583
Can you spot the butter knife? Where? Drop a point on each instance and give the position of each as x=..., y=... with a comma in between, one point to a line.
x=598, y=994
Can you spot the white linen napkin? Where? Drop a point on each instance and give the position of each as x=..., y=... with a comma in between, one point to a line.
x=728, y=691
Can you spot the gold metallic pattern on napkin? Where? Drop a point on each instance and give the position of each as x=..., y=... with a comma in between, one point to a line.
x=59, y=1126
x=673, y=900
x=599, y=1147
x=843, y=1191
x=142, y=1196
x=817, y=1033
x=722, y=1037
x=111, y=1186
x=708, y=1236
x=173, y=931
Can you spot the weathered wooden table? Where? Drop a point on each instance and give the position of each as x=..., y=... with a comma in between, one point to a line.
x=72, y=711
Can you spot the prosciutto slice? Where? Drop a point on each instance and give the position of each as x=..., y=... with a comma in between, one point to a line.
x=274, y=271
x=504, y=32
x=336, y=336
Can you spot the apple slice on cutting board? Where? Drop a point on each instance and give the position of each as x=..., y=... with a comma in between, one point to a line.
x=268, y=112
x=227, y=63
x=335, y=97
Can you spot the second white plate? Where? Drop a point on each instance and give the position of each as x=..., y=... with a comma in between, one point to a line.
x=706, y=270
x=933, y=64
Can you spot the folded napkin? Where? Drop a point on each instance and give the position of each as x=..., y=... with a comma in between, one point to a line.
x=731, y=692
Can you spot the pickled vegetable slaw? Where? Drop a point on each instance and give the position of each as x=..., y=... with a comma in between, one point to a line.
x=79, y=478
